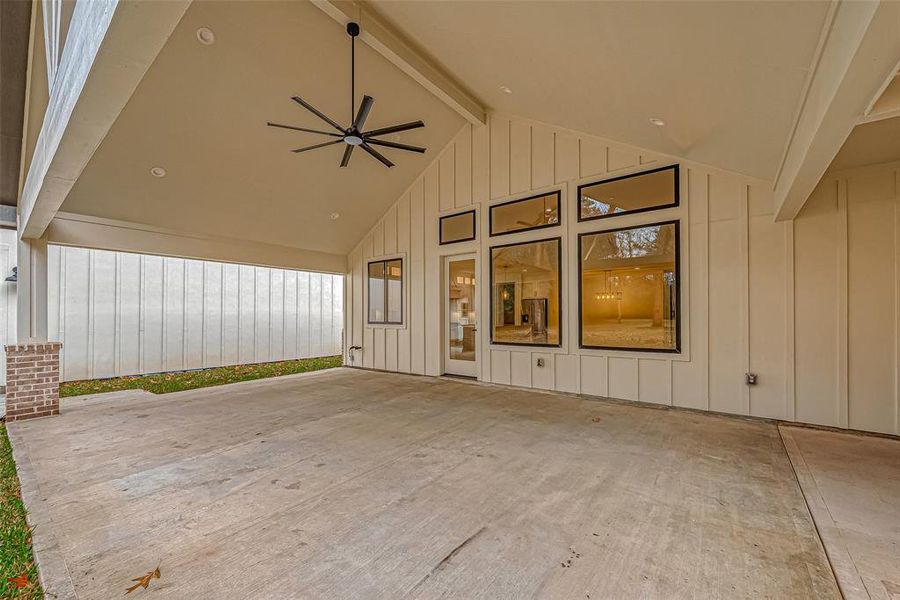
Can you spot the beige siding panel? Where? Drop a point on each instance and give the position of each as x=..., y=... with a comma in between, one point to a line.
x=499, y=168
x=416, y=312
x=542, y=377
x=565, y=157
x=432, y=305
x=566, y=373
x=654, y=381
x=871, y=326
x=593, y=158
x=378, y=239
x=621, y=158
x=520, y=368
x=816, y=308
x=725, y=340
x=593, y=375
x=403, y=244
x=447, y=179
x=500, y=369
x=767, y=317
x=390, y=349
x=390, y=231
x=541, y=156
x=481, y=163
x=463, y=167
x=519, y=157
x=623, y=378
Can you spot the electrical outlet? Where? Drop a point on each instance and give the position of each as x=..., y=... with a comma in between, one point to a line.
x=540, y=362
x=751, y=378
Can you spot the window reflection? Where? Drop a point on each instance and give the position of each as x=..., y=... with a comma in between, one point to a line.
x=522, y=215
x=386, y=291
x=629, y=288
x=525, y=293
x=458, y=228
x=642, y=191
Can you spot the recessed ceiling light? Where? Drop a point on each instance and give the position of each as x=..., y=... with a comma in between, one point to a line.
x=505, y=89
x=335, y=216
x=206, y=36
x=657, y=121
x=158, y=172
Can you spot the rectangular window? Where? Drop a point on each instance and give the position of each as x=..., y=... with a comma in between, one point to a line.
x=629, y=288
x=650, y=190
x=526, y=214
x=526, y=295
x=386, y=292
x=457, y=228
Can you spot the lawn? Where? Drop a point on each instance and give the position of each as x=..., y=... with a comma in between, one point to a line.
x=16, y=560
x=164, y=383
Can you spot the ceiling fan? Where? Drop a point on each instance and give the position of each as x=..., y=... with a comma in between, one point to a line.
x=354, y=135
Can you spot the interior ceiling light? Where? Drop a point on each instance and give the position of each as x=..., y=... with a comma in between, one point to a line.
x=355, y=135
x=158, y=172
x=657, y=121
x=335, y=216
x=206, y=36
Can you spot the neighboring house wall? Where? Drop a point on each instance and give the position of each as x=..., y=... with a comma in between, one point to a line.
x=757, y=296
x=124, y=314
x=7, y=296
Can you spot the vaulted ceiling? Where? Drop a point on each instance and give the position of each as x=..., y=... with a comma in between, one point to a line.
x=726, y=77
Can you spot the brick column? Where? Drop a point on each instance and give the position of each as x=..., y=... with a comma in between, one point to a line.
x=32, y=380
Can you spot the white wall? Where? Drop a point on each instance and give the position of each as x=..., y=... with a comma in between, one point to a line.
x=8, y=248
x=118, y=313
x=747, y=304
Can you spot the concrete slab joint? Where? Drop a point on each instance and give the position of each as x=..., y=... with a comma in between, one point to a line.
x=32, y=380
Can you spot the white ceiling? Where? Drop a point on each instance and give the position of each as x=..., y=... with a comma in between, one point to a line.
x=726, y=77
x=201, y=112
x=869, y=144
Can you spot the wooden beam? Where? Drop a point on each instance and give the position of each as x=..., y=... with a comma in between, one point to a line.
x=108, y=49
x=388, y=41
x=70, y=229
x=858, y=55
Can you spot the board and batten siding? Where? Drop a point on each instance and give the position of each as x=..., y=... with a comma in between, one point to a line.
x=119, y=314
x=772, y=298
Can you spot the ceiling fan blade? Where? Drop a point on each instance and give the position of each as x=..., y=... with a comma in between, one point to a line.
x=346, y=159
x=316, y=112
x=364, y=107
x=396, y=145
x=380, y=157
x=394, y=129
x=298, y=150
x=270, y=124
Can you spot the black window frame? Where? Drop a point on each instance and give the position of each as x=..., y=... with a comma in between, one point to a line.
x=676, y=202
x=678, y=315
x=385, y=261
x=559, y=214
x=441, y=242
x=559, y=291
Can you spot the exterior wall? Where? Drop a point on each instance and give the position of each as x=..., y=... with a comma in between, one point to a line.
x=848, y=300
x=8, y=248
x=123, y=314
x=742, y=310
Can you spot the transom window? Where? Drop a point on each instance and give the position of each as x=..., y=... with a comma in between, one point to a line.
x=649, y=190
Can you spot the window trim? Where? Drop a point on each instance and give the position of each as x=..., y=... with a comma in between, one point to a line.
x=678, y=312
x=677, y=200
x=559, y=291
x=459, y=214
x=385, y=261
x=559, y=213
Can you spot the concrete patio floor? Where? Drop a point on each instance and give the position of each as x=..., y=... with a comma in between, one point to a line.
x=354, y=484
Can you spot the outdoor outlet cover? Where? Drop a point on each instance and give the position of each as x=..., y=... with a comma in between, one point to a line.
x=540, y=362
x=751, y=378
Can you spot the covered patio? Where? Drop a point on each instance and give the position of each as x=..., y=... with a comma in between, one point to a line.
x=355, y=484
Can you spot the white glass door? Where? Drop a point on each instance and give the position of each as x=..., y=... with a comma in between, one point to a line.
x=460, y=316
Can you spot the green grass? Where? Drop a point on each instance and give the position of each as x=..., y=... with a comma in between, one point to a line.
x=15, y=535
x=164, y=383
